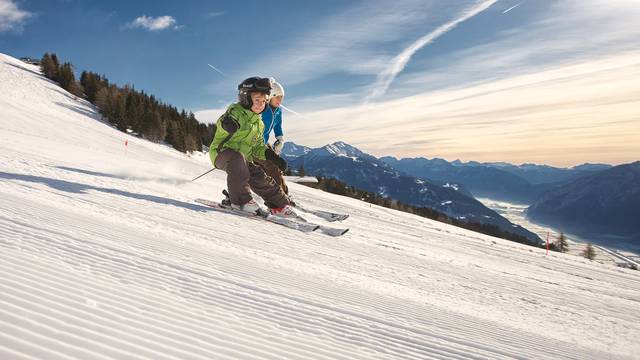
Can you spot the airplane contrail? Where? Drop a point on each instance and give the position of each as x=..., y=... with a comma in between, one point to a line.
x=511, y=8
x=291, y=111
x=216, y=69
x=398, y=64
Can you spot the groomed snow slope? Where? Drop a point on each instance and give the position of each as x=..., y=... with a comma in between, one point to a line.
x=104, y=255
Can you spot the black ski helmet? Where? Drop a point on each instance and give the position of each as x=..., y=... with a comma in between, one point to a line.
x=252, y=84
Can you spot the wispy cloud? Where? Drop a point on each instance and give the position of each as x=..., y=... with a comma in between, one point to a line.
x=354, y=42
x=547, y=117
x=511, y=8
x=154, y=24
x=214, y=14
x=553, y=38
x=562, y=88
x=12, y=18
x=386, y=77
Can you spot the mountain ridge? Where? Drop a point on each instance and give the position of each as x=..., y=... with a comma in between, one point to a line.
x=605, y=202
x=356, y=168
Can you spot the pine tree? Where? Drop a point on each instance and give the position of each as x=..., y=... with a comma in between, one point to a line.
x=589, y=252
x=133, y=111
x=67, y=80
x=120, y=110
x=55, y=75
x=105, y=101
x=65, y=77
x=130, y=109
x=193, y=139
x=47, y=66
x=561, y=244
x=152, y=128
x=206, y=134
x=301, y=171
x=175, y=135
x=92, y=83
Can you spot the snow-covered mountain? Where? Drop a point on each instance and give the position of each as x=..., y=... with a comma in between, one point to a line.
x=482, y=180
x=292, y=150
x=105, y=255
x=340, y=149
x=363, y=171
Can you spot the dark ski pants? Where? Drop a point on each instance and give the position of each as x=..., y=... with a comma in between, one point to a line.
x=273, y=171
x=244, y=176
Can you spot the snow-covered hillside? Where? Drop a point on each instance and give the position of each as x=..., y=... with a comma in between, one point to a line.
x=104, y=255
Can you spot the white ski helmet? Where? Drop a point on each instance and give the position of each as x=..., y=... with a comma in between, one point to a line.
x=276, y=88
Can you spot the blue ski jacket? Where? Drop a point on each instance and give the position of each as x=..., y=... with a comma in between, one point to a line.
x=272, y=119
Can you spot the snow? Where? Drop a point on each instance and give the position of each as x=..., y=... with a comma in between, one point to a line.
x=301, y=179
x=343, y=149
x=452, y=186
x=104, y=255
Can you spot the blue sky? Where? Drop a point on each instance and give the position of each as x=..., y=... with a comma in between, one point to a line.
x=170, y=62
x=490, y=80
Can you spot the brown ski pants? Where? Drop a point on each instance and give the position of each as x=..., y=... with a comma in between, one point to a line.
x=274, y=172
x=244, y=176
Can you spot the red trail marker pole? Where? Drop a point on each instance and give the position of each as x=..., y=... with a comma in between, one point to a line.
x=547, y=243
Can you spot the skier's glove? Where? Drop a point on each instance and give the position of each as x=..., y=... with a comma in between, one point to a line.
x=276, y=159
x=230, y=124
x=277, y=146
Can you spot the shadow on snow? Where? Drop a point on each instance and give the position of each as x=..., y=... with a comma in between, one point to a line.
x=78, y=188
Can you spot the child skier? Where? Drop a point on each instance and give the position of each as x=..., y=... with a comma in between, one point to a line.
x=238, y=143
x=272, y=119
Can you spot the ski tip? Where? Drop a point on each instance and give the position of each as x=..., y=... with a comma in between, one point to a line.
x=205, y=202
x=341, y=218
x=344, y=232
x=316, y=228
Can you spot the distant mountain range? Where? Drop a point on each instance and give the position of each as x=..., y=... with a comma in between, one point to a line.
x=358, y=169
x=545, y=174
x=593, y=200
x=500, y=181
x=605, y=202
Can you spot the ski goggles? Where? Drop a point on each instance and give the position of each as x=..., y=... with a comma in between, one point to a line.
x=257, y=84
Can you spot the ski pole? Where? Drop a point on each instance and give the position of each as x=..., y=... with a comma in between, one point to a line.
x=203, y=175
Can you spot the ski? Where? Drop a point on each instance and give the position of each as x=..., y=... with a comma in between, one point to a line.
x=325, y=215
x=264, y=215
x=331, y=231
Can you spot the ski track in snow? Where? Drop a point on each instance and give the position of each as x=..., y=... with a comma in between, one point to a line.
x=104, y=255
